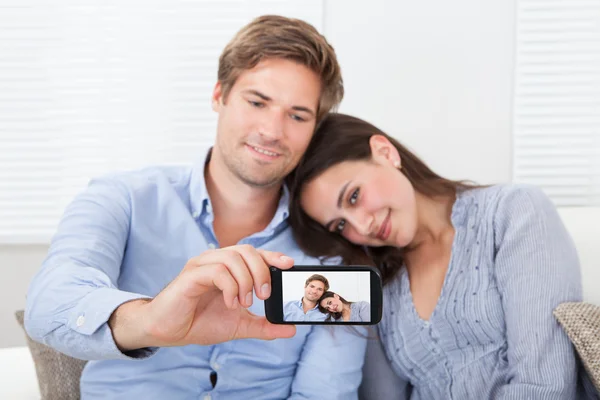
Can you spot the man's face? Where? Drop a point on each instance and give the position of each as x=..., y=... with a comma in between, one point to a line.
x=314, y=290
x=267, y=120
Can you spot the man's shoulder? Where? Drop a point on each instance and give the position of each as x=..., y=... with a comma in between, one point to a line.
x=150, y=178
x=290, y=303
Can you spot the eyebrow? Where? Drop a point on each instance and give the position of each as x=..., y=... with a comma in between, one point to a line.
x=267, y=98
x=339, y=202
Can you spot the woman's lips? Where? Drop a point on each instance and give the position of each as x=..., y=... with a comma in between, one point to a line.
x=386, y=228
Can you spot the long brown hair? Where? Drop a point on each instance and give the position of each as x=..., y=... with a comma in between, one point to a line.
x=341, y=138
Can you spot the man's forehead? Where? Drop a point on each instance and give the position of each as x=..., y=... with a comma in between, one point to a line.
x=286, y=84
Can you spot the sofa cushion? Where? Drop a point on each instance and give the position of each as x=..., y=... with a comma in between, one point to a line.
x=581, y=322
x=58, y=374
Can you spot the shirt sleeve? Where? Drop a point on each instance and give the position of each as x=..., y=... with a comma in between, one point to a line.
x=537, y=269
x=330, y=366
x=288, y=311
x=71, y=298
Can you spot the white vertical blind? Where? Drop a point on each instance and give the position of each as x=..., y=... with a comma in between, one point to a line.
x=89, y=87
x=557, y=99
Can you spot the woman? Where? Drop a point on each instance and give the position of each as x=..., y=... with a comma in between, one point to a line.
x=471, y=273
x=339, y=309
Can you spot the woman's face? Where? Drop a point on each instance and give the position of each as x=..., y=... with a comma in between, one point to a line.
x=332, y=304
x=368, y=202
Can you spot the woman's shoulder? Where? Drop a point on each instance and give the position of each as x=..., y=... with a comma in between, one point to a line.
x=501, y=191
x=503, y=199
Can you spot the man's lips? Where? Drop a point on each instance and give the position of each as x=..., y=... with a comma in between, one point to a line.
x=264, y=150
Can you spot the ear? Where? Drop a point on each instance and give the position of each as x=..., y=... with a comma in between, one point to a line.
x=217, y=97
x=384, y=152
x=336, y=296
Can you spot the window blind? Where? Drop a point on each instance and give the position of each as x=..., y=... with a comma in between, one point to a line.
x=90, y=87
x=556, y=120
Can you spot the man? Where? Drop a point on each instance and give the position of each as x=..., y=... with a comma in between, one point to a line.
x=306, y=309
x=153, y=274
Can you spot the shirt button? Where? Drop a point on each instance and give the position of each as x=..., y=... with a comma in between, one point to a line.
x=216, y=366
x=207, y=397
x=196, y=214
x=212, y=246
x=80, y=320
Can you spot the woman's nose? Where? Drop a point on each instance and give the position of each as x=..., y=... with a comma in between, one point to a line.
x=361, y=221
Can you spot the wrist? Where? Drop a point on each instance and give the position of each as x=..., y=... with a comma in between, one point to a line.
x=129, y=326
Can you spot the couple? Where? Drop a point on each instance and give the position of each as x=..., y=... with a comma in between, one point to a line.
x=321, y=304
x=133, y=280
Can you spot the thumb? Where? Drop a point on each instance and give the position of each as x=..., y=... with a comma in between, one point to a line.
x=254, y=327
x=276, y=259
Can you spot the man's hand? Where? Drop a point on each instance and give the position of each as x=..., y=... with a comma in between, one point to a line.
x=206, y=304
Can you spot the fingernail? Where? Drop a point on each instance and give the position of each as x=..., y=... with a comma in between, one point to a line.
x=285, y=258
x=265, y=290
x=249, y=299
x=235, y=302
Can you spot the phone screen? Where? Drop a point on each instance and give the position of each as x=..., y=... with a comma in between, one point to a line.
x=332, y=296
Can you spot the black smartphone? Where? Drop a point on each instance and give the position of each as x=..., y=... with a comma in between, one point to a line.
x=325, y=295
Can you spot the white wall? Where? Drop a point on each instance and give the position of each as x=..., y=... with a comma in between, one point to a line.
x=18, y=265
x=584, y=226
x=437, y=75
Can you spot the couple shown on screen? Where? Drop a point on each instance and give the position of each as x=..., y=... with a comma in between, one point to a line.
x=321, y=304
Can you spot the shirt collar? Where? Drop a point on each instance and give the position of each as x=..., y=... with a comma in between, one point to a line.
x=302, y=305
x=200, y=200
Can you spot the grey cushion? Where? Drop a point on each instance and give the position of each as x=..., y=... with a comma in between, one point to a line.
x=58, y=374
x=581, y=322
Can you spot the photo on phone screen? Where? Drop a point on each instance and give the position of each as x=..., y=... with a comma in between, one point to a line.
x=325, y=295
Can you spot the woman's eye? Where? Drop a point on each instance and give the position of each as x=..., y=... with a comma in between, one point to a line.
x=340, y=226
x=353, y=197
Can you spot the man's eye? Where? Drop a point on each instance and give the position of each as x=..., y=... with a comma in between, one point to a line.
x=256, y=104
x=298, y=118
x=353, y=197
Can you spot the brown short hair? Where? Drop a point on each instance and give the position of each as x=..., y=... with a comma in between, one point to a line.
x=317, y=277
x=273, y=36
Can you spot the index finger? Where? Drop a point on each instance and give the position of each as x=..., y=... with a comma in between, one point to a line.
x=276, y=259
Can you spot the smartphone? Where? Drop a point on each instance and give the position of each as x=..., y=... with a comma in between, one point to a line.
x=325, y=295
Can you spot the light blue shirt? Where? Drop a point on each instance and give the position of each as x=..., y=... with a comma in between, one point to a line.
x=126, y=236
x=294, y=311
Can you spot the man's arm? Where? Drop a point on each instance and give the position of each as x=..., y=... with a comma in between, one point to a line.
x=73, y=295
x=75, y=306
x=330, y=366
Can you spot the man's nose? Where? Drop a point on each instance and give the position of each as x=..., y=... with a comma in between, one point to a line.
x=273, y=124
